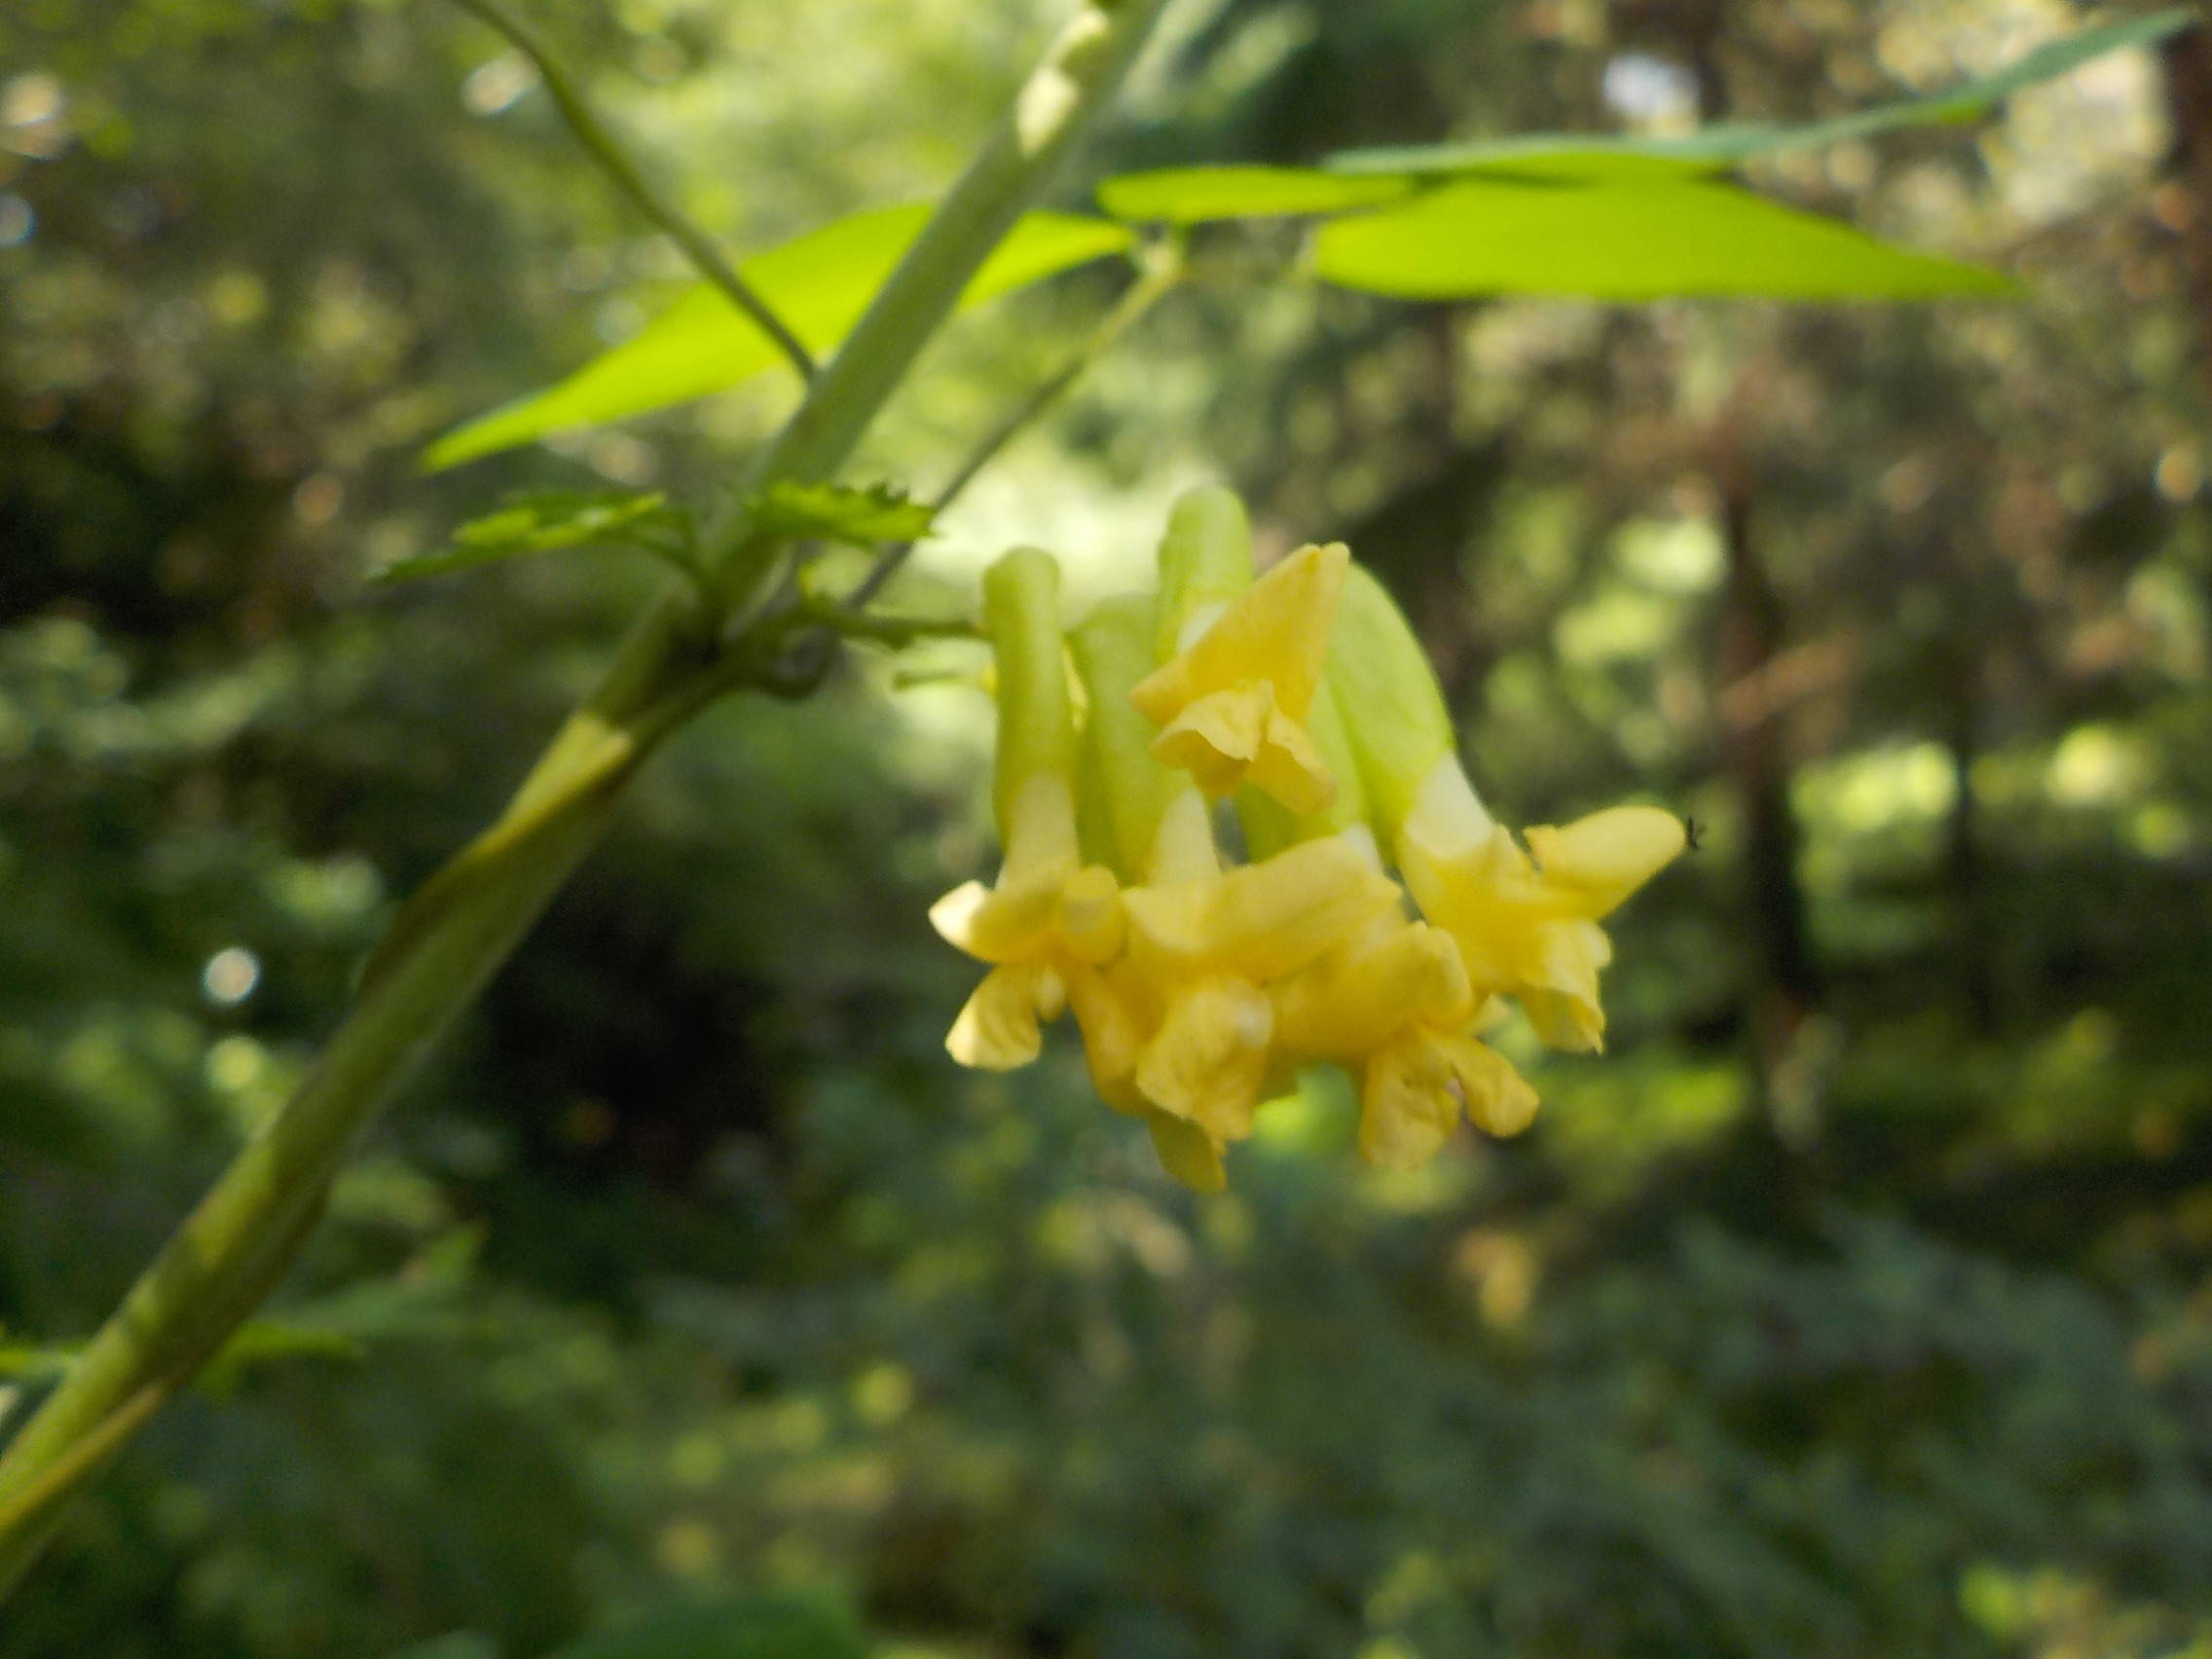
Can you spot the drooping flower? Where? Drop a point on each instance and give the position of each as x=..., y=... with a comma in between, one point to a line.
x=1244, y=656
x=1214, y=947
x=1051, y=919
x=1395, y=1007
x=1199, y=986
x=1188, y=1040
x=1526, y=921
x=1391, y=1001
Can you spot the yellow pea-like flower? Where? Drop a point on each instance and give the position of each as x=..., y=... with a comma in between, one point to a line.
x=1044, y=927
x=1394, y=1006
x=1527, y=925
x=1181, y=1029
x=1051, y=921
x=1210, y=948
x=1230, y=699
x=1391, y=1003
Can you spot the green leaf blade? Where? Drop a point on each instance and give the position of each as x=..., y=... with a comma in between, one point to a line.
x=1617, y=242
x=819, y=283
x=1192, y=196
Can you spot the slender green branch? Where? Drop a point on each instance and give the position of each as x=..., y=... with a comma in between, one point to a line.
x=1054, y=108
x=1161, y=272
x=449, y=939
x=33, y=1504
x=882, y=629
x=613, y=160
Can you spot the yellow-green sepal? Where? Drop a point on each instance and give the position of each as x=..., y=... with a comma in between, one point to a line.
x=1393, y=712
x=1205, y=560
x=1036, y=738
x=1113, y=649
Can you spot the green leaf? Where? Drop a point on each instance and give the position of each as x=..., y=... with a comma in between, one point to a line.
x=540, y=521
x=838, y=512
x=1715, y=149
x=1624, y=242
x=819, y=285
x=1189, y=196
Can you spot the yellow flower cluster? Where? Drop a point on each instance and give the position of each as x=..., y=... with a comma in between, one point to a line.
x=1303, y=698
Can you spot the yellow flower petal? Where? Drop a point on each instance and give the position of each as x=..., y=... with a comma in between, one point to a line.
x=1276, y=630
x=1558, y=985
x=1207, y=1060
x=1076, y=912
x=1239, y=737
x=1407, y=1110
x=1414, y=1089
x=1527, y=927
x=1289, y=767
x=1231, y=705
x=998, y=1028
x=954, y=915
x=1359, y=997
x=1497, y=1098
x=1112, y=1013
x=1259, y=921
x=1597, y=861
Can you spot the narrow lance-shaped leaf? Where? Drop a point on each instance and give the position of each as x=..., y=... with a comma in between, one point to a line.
x=819, y=285
x=1715, y=149
x=1190, y=195
x=1624, y=242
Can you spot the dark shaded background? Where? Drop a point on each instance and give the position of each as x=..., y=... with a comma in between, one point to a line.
x=1855, y=1304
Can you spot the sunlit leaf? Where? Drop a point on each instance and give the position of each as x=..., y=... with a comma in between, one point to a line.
x=838, y=512
x=1624, y=242
x=819, y=285
x=1715, y=149
x=538, y=520
x=1189, y=196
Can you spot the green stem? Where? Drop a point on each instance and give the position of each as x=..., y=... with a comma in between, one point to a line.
x=1161, y=272
x=614, y=160
x=882, y=629
x=455, y=932
x=1055, y=106
x=233, y=1248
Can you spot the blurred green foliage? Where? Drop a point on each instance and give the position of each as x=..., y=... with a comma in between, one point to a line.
x=1856, y=1304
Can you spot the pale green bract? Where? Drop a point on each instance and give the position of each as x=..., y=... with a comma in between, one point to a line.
x=819, y=285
